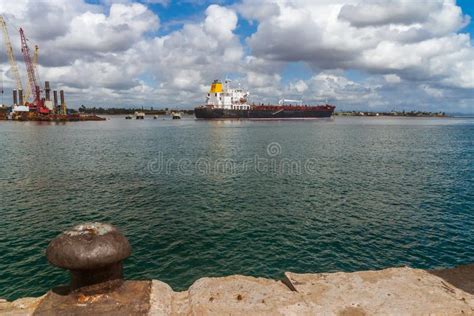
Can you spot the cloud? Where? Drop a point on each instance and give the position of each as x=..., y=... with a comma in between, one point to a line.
x=447, y=60
x=378, y=13
x=391, y=78
x=257, y=10
x=83, y=46
x=182, y=61
x=119, y=30
x=405, y=52
x=299, y=86
x=403, y=40
x=220, y=22
x=333, y=86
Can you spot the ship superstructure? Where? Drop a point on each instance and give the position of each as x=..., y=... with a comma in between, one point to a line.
x=222, y=96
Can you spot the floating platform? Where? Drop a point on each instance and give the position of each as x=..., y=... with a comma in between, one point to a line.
x=3, y=113
x=28, y=116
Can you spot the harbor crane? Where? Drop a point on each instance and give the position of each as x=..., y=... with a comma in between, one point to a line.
x=35, y=58
x=11, y=56
x=37, y=104
x=35, y=63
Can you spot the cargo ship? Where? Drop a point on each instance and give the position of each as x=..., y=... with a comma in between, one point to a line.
x=224, y=102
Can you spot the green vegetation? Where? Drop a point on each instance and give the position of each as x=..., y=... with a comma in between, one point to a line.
x=392, y=113
x=126, y=111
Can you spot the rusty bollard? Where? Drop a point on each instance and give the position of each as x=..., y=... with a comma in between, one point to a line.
x=93, y=253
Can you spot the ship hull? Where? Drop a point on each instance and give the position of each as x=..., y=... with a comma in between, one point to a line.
x=265, y=112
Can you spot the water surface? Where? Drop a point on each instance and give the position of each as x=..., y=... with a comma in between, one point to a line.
x=199, y=198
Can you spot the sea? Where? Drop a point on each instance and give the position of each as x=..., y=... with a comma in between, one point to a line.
x=214, y=198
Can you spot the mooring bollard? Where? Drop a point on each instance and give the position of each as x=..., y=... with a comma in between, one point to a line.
x=93, y=252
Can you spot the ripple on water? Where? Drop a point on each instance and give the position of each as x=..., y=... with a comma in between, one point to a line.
x=386, y=193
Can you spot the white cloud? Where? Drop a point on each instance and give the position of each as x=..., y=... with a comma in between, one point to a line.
x=299, y=86
x=392, y=78
x=119, y=30
x=437, y=93
x=377, y=13
x=110, y=54
x=336, y=87
x=405, y=40
x=195, y=55
x=220, y=22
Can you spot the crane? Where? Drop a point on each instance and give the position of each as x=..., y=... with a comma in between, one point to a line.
x=35, y=63
x=35, y=57
x=11, y=56
x=38, y=103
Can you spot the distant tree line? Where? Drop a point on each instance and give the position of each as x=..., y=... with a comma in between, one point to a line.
x=392, y=113
x=126, y=111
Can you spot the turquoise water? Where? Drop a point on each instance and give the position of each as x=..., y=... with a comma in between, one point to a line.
x=254, y=198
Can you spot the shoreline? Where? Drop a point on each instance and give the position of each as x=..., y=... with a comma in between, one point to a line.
x=389, y=291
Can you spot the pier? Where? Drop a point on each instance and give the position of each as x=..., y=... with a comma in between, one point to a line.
x=94, y=253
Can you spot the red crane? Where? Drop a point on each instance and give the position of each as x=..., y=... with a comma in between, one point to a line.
x=38, y=103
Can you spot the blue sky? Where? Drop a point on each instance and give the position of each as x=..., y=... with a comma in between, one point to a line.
x=468, y=8
x=356, y=54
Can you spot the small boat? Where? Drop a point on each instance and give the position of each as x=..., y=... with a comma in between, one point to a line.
x=139, y=115
x=129, y=117
x=176, y=115
x=155, y=117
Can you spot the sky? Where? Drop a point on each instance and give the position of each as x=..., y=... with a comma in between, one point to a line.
x=358, y=55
